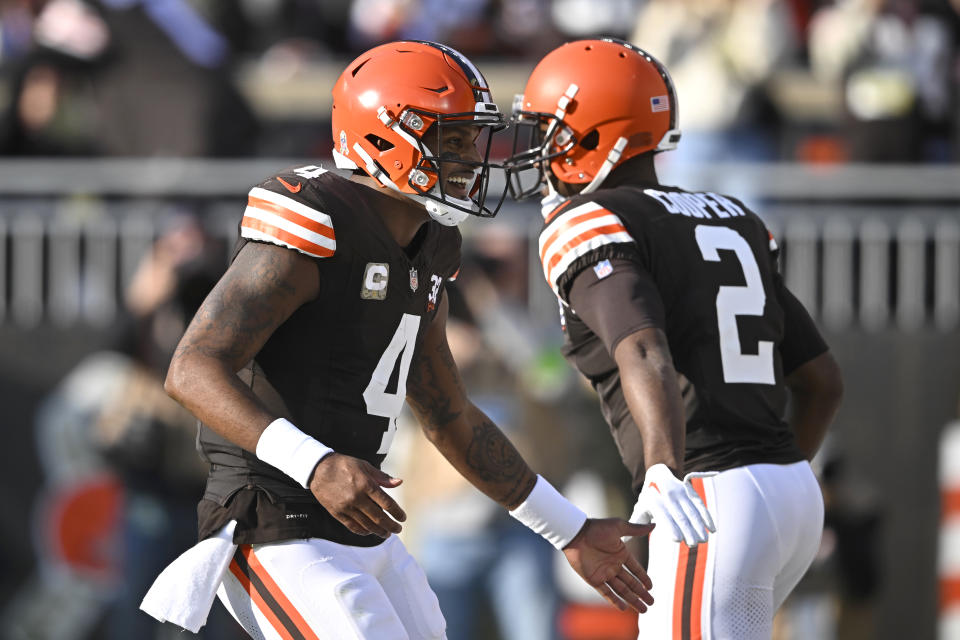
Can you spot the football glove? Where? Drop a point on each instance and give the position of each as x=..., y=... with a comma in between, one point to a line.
x=669, y=502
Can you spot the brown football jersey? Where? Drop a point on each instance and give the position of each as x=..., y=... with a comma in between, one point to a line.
x=708, y=270
x=337, y=368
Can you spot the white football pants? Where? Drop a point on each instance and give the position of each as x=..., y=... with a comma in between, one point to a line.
x=769, y=520
x=315, y=589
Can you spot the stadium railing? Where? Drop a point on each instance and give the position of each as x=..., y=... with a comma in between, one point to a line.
x=863, y=246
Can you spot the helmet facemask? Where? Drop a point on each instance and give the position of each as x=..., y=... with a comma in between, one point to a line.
x=429, y=178
x=538, y=138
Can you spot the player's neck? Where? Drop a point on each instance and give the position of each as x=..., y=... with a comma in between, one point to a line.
x=400, y=215
x=636, y=170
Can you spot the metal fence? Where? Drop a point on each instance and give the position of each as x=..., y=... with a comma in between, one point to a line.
x=862, y=247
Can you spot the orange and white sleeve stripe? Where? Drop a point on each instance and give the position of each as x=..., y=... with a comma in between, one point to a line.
x=576, y=232
x=275, y=218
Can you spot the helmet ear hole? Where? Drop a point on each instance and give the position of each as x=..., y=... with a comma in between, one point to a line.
x=378, y=142
x=591, y=140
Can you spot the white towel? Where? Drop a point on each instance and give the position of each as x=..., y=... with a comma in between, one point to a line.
x=183, y=593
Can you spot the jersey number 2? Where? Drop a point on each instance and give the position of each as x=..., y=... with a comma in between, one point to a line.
x=389, y=405
x=748, y=300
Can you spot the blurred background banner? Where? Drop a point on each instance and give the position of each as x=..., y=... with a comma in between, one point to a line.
x=131, y=130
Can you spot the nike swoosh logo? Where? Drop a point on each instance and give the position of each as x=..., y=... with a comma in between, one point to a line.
x=290, y=187
x=654, y=485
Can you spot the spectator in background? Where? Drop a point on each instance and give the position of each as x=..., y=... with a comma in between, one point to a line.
x=16, y=25
x=172, y=65
x=55, y=60
x=895, y=64
x=720, y=54
x=476, y=27
x=585, y=18
x=100, y=77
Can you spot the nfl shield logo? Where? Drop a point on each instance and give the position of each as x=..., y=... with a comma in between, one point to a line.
x=414, y=283
x=603, y=269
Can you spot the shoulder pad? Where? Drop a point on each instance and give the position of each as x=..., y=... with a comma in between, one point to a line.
x=572, y=231
x=280, y=219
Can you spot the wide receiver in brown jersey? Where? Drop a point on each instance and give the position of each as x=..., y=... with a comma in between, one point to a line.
x=331, y=314
x=673, y=308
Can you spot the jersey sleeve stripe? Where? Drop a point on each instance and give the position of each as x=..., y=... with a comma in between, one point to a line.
x=571, y=219
x=291, y=205
x=255, y=229
x=560, y=239
x=261, y=207
x=580, y=246
x=575, y=233
x=288, y=226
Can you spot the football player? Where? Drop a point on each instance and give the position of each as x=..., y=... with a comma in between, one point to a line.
x=673, y=308
x=331, y=315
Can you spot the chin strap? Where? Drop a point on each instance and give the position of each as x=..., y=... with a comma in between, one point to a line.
x=343, y=162
x=447, y=216
x=612, y=158
x=374, y=170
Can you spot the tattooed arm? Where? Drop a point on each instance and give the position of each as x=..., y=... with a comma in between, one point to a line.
x=484, y=456
x=457, y=428
x=260, y=290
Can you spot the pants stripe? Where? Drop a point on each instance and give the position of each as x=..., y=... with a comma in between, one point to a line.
x=268, y=596
x=683, y=560
x=696, y=608
x=688, y=589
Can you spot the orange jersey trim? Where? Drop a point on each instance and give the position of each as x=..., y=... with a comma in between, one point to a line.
x=580, y=239
x=569, y=224
x=291, y=239
x=292, y=216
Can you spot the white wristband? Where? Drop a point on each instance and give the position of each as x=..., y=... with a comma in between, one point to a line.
x=290, y=450
x=551, y=515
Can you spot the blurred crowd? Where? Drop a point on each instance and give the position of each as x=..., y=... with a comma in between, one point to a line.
x=807, y=80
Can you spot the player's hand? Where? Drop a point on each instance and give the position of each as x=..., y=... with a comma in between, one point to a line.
x=350, y=489
x=598, y=555
x=673, y=504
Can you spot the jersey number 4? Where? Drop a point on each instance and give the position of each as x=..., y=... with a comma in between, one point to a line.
x=748, y=300
x=389, y=405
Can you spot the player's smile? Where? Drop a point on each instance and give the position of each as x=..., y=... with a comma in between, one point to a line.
x=459, y=183
x=458, y=154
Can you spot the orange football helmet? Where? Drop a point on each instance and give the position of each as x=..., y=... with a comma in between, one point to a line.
x=387, y=99
x=589, y=106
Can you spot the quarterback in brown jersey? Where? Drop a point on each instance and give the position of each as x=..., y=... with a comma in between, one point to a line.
x=673, y=308
x=331, y=315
